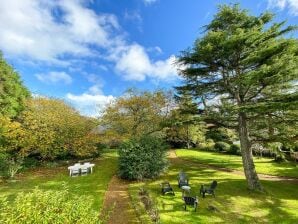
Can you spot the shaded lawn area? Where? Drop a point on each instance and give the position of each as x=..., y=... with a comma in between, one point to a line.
x=235, y=203
x=94, y=185
x=263, y=165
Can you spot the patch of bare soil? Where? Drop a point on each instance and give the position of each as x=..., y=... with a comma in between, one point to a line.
x=175, y=158
x=117, y=207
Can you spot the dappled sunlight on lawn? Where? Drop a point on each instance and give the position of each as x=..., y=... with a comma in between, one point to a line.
x=233, y=202
x=263, y=165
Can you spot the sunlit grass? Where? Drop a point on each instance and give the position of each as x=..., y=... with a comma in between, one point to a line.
x=263, y=165
x=93, y=185
x=234, y=202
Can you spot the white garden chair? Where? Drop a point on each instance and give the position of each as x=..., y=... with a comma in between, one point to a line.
x=84, y=170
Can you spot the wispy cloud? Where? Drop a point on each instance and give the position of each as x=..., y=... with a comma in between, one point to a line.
x=148, y=2
x=54, y=77
x=88, y=104
x=291, y=5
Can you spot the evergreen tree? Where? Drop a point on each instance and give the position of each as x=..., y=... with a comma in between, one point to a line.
x=247, y=62
x=12, y=91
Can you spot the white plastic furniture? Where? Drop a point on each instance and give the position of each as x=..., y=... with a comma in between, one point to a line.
x=78, y=168
x=84, y=170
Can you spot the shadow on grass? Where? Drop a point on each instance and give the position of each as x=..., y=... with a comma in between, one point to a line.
x=233, y=202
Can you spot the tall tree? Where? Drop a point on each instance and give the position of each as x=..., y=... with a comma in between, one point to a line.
x=12, y=91
x=136, y=113
x=248, y=62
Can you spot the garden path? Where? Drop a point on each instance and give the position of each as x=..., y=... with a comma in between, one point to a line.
x=173, y=156
x=117, y=207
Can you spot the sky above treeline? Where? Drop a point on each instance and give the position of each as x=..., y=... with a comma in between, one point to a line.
x=89, y=52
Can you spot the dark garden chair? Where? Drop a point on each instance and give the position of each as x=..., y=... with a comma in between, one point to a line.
x=182, y=180
x=166, y=188
x=192, y=201
x=208, y=190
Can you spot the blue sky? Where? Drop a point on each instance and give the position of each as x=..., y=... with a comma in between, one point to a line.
x=89, y=52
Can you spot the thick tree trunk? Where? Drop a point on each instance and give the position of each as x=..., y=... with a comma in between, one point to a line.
x=247, y=157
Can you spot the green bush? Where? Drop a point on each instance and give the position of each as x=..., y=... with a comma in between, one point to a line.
x=221, y=146
x=48, y=207
x=234, y=149
x=142, y=158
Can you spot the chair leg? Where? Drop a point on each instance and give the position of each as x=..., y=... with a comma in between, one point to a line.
x=185, y=207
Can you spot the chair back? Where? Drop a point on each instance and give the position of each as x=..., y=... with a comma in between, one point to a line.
x=213, y=185
x=182, y=176
x=77, y=164
x=75, y=169
x=87, y=164
x=165, y=185
x=189, y=200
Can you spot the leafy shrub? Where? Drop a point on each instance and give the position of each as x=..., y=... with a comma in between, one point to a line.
x=234, y=149
x=221, y=146
x=208, y=145
x=48, y=207
x=142, y=158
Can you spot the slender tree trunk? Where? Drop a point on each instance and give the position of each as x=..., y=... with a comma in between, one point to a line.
x=188, y=145
x=247, y=158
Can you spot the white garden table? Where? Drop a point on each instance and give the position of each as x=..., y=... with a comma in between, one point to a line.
x=79, y=166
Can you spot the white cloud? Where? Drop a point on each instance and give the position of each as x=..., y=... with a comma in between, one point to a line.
x=134, y=63
x=48, y=30
x=66, y=31
x=148, y=2
x=93, y=101
x=88, y=104
x=291, y=5
x=54, y=77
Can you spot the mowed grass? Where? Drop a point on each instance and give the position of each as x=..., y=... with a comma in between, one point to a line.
x=94, y=185
x=263, y=165
x=234, y=202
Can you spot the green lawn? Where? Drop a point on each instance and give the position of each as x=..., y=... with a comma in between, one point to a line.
x=93, y=185
x=235, y=203
x=263, y=165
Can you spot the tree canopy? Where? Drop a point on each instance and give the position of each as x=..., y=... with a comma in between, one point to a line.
x=12, y=91
x=135, y=114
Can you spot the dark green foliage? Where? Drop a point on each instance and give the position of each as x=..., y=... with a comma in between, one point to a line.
x=221, y=135
x=12, y=91
x=142, y=158
x=221, y=146
x=234, y=149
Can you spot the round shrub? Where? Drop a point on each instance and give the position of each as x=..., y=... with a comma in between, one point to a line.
x=234, y=149
x=142, y=158
x=48, y=207
x=221, y=146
